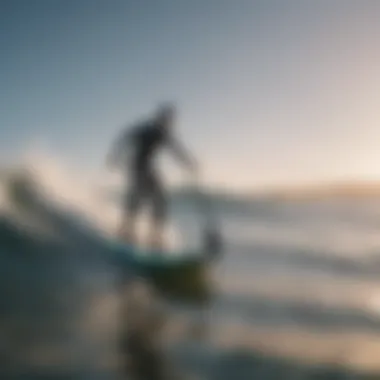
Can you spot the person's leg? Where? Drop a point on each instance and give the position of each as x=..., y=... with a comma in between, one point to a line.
x=159, y=211
x=131, y=209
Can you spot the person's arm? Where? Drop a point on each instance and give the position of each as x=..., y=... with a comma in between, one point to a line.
x=182, y=154
x=118, y=148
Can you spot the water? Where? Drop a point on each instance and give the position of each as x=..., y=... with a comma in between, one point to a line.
x=297, y=290
x=301, y=280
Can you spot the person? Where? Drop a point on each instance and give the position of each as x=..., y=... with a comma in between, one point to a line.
x=145, y=185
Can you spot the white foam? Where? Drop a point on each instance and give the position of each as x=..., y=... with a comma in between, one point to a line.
x=79, y=191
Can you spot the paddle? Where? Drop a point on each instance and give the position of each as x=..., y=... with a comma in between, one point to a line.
x=211, y=232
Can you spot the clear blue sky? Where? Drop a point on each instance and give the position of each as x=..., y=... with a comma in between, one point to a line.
x=269, y=91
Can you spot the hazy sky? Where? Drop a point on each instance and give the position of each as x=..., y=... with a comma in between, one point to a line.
x=269, y=91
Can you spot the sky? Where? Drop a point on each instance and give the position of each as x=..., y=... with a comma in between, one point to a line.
x=269, y=92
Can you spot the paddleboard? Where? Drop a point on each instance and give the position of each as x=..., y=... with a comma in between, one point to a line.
x=182, y=275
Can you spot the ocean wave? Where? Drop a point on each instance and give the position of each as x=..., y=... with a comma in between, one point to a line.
x=59, y=285
x=54, y=269
x=59, y=303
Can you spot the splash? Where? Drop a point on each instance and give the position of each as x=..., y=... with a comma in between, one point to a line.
x=82, y=194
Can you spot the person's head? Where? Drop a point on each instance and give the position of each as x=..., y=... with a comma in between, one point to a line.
x=165, y=115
